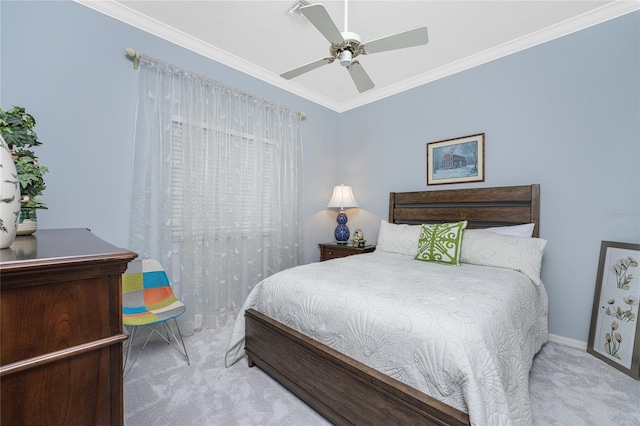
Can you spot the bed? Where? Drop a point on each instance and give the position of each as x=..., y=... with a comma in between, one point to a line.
x=408, y=353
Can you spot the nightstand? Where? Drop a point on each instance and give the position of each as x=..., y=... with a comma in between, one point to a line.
x=335, y=250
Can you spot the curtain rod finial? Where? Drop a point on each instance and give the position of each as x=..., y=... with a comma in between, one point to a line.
x=133, y=55
x=302, y=115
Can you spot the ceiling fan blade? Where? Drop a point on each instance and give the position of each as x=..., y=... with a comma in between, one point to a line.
x=319, y=17
x=360, y=77
x=414, y=37
x=306, y=68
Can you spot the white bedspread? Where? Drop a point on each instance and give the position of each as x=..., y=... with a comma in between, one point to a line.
x=465, y=335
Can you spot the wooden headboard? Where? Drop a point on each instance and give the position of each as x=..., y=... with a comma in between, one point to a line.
x=481, y=207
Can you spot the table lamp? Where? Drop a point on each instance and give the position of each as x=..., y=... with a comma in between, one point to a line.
x=342, y=198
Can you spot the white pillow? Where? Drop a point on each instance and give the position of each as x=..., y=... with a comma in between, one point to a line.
x=523, y=254
x=398, y=238
x=525, y=230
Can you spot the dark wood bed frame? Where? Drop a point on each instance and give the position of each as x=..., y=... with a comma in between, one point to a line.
x=346, y=391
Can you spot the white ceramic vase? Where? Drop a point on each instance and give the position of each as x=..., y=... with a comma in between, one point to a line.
x=9, y=196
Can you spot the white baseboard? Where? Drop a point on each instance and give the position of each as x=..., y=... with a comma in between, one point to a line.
x=568, y=342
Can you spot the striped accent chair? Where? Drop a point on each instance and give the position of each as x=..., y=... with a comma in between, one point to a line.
x=148, y=302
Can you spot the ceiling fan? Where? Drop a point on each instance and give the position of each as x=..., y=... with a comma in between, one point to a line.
x=346, y=46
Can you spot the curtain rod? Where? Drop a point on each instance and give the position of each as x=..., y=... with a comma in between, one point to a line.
x=136, y=56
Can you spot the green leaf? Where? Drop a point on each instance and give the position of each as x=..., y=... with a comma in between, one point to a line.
x=17, y=128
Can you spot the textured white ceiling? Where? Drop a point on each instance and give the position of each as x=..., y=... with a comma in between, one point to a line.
x=261, y=39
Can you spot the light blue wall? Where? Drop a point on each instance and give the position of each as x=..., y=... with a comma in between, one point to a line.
x=66, y=64
x=564, y=114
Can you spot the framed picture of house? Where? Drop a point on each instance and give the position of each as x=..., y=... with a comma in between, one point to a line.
x=456, y=160
x=614, y=336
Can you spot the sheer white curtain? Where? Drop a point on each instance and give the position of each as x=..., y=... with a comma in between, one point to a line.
x=217, y=190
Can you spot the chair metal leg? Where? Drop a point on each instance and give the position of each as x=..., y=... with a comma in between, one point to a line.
x=141, y=349
x=132, y=336
x=184, y=348
x=179, y=343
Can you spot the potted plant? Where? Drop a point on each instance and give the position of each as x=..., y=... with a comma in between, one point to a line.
x=16, y=127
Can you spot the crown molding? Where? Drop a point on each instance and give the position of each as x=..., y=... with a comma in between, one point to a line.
x=586, y=20
x=131, y=17
x=152, y=26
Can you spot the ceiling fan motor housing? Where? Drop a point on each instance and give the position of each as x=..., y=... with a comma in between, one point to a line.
x=348, y=49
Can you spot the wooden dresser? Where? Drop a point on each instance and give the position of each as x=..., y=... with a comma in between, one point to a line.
x=61, y=329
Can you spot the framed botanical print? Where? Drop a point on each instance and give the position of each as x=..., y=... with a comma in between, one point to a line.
x=614, y=336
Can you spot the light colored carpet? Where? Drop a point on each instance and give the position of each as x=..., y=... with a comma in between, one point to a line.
x=568, y=387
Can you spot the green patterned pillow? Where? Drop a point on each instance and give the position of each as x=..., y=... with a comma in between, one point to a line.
x=441, y=242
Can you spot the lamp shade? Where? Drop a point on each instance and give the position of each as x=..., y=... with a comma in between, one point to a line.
x=342, y=198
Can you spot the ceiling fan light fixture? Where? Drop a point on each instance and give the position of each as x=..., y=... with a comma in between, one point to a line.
x=345, y=58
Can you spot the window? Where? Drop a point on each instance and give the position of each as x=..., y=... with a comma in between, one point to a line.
x=236, y=171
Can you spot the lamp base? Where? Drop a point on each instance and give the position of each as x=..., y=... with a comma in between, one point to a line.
x=342, y=232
